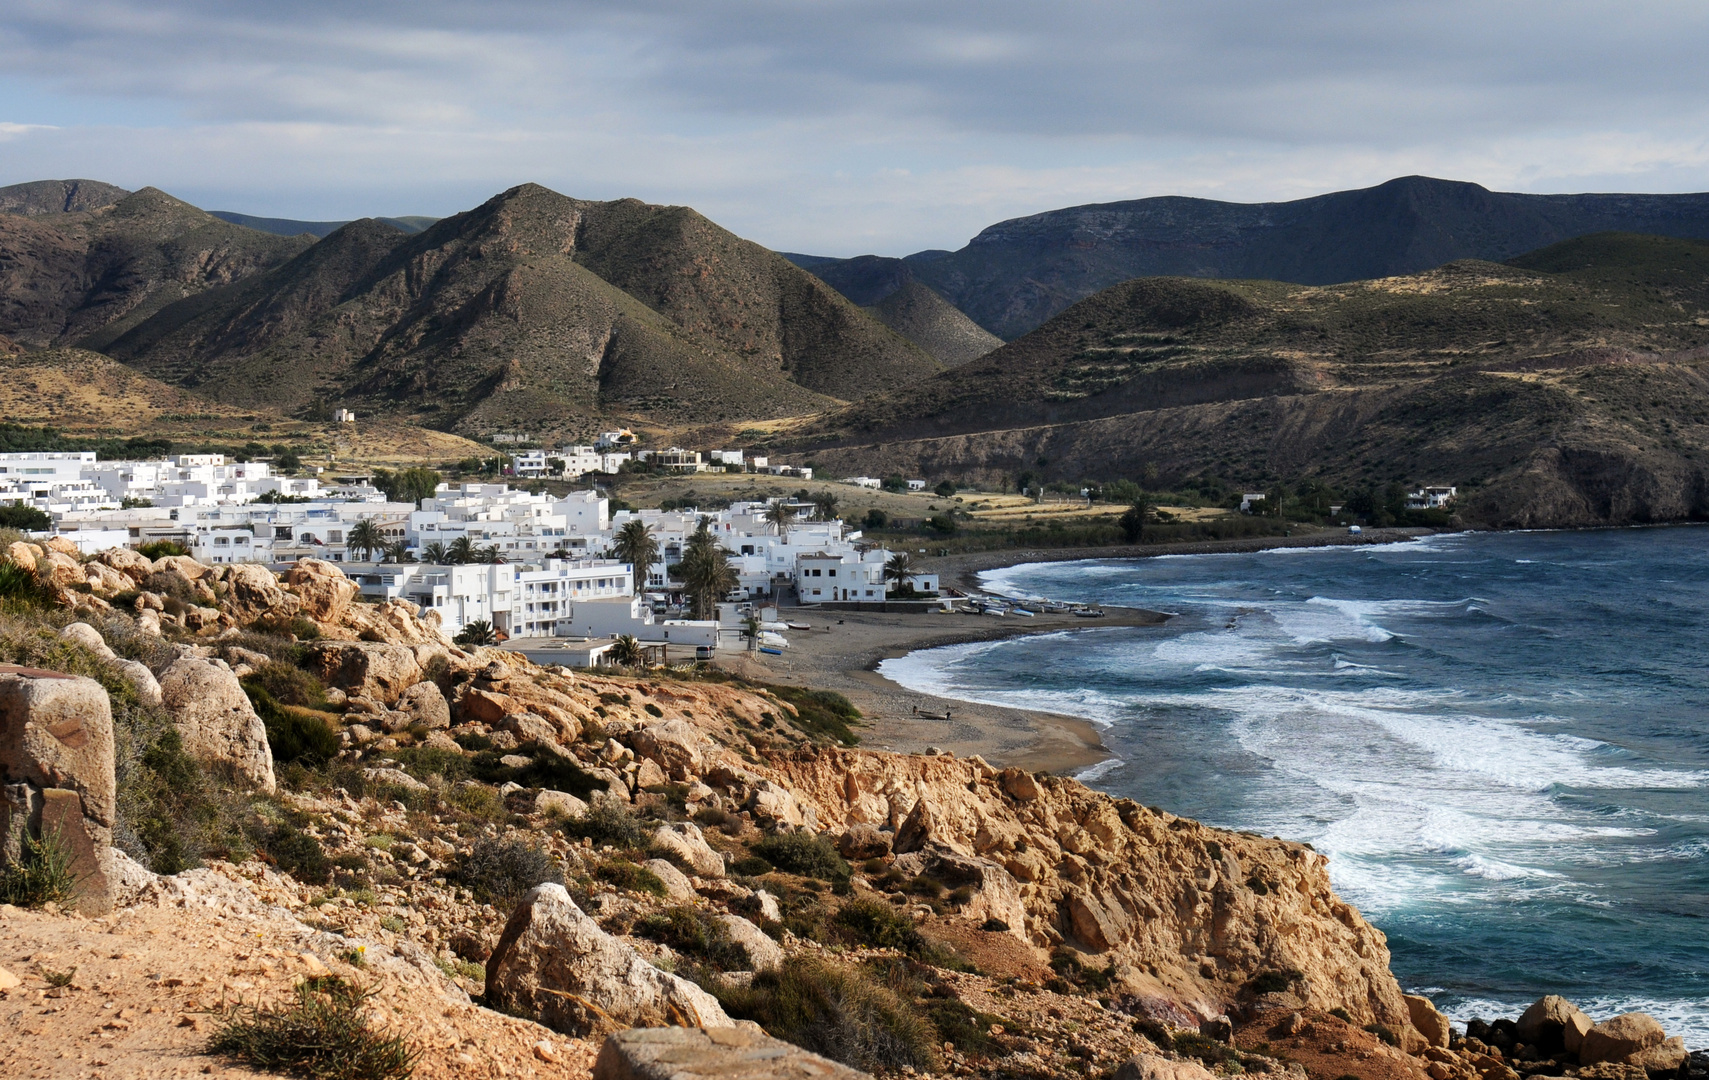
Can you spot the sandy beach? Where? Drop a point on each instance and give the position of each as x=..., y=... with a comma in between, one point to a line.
x=843, y=650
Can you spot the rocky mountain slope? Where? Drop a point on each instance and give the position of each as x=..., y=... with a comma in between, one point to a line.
x=1564, y=388
x=318, y=229
x=888, y=290
x=533, y=311
x=1016, y=274
x=58, y=197
x=85, y=276
x=517, y=861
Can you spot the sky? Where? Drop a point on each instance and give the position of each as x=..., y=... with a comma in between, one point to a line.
x=842, y=128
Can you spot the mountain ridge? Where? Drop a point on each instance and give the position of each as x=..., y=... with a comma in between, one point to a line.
x=1016, y=274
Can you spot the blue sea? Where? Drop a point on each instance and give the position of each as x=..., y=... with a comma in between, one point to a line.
x=1501, y=740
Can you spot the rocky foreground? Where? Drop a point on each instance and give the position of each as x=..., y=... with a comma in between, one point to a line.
x=522, y=862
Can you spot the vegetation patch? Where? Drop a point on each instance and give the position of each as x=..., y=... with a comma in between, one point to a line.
x=697, y=936
x=42, y=875
x=822, y=715
x=323, y=1034
x=501, y=871
x=840, y=1012
x=804, y=853
x=628, y=875
x=607, y=821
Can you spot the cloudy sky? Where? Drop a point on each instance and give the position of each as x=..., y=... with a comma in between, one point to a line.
x=847, y=127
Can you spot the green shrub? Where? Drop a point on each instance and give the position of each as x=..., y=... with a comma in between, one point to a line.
x=19, y=585
x=292, y=736
x=323, y=1034
x=480, y=802
x=296, y=853
x=751, y=866
x=1341, y=1014
x=27, y=518
x=608, y=821
x=288, y=684
x=632, y=876
x=839, y=1012
x=1273, y=982
x=500, y=871
x=544, y=770
x=994, y=926
x=422, y=762
x=160, y=549
x=696, y=935
x=805, y=853
x=822, y=715
x=877, y=925
x=1383, y=1032
x=42, y=875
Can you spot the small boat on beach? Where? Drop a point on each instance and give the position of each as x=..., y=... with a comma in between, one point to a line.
x=798, y=626
x=1023, y=612
x=1089, y=613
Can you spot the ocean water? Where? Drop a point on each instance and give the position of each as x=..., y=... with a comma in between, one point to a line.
x=1501, y=740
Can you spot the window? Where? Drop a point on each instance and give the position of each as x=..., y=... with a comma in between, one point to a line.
x=335, y=536
x=222, y=541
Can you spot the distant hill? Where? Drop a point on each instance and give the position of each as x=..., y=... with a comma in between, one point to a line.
x=535, y=312
x=887, y=289
x=1567, y=387
x=58, y=197
x=85, y=276
x=317, y=229
x=1016, y=274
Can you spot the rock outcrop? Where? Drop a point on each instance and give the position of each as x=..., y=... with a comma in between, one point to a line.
x=219, y=726
x=56, y=775
x=555, y=964
x=712, y=1054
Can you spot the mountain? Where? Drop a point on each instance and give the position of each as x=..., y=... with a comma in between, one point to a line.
x=87, y=275
x=58, y=197
x=532, y=312
x=887, y=289
x=317, y=229
x=1016, y=274
x=1567, y=387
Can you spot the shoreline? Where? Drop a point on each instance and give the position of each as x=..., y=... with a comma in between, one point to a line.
x=965, y=569
x=844, y=650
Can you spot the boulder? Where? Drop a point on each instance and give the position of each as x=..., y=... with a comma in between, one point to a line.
x=556, y=965
x=678, y=888
x=685, y=840
x=773, y=804
x=862, y=841
x=1620, y=1038
x=143, y=680
x=1019, y=784
x=131, y=879
x=916, y=829
x=81, y=633
x=218, y=724
x=56, y=773
x=426, y=706
x=368, y=668
x=1544, y=1025
x=105, y=580
x=764, y=954
x=529, y=728
x=1665, y=1057
x=1432, y=1024
x=322, y=588
x=767, y=906
x=649, y=775
x=1157, y=1067
x=184, y=565
x=720, y=1053
x=132, y=564
x=1218, y=1029
x=253, y=592
x=676, y=746
x=61, y=545
x=64, y=569
x=1099, y=925
x=22, y=555
x=561, y=803
x=475, y=706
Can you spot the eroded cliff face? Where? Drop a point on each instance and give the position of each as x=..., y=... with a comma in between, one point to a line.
x=1187, y=914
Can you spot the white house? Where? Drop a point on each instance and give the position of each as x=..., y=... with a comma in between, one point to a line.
x=1431, y=498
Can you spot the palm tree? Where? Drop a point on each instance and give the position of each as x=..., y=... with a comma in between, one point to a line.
x=779, y=515
x=707, y=576
x=489, y=554
x=435, y=554
x=636, y=545
x=397, y=552
x=900, y=569
x=825, y=506
x=1133, y=521
x=365, y=536
x=626, y=651
x=479, y=632
x=461, y=551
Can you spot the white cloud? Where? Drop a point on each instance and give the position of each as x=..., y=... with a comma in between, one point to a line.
x=843, y=126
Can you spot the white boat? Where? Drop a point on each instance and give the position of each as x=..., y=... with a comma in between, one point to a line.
x=1022, y=611
x=774, y=627
x=775, y=641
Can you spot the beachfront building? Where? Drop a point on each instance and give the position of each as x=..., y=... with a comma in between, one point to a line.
x=528, y=599
x=1431, y=498
x=850, y=577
